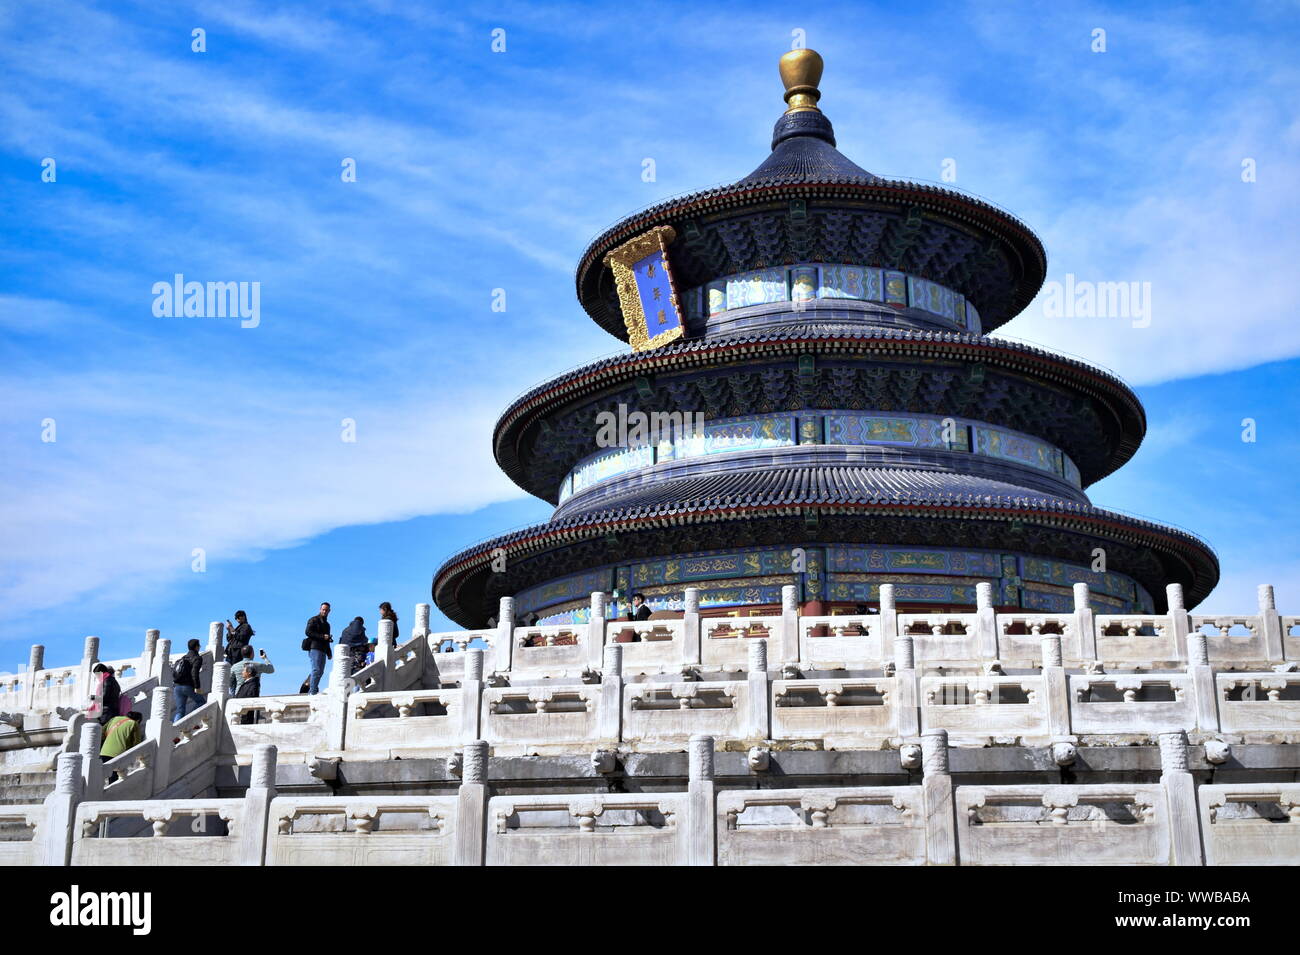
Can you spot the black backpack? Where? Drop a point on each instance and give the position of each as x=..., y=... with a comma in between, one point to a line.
x=181, y=673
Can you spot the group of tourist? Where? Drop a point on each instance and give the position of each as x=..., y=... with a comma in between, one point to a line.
x=122, y=725
x=359, y=647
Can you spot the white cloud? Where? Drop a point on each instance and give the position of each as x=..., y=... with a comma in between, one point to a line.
x=169, y=443
x=144, y=471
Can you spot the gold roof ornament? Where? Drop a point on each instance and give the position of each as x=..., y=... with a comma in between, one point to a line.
x=801, y=71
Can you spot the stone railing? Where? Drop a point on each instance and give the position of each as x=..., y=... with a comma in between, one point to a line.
x=371, y=830
x=878, y=825
x=589, y=829
x=850, y=681
x=1268, y=702
x=956, y=641
x=406, y=721
x=179, y=832
x=1122, y=824
x=844, y=713
x=928, y=820
x=757, y=704
x=1239, y=823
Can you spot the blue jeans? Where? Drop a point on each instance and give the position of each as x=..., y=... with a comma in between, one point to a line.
x=188, y=700
x=317, y=670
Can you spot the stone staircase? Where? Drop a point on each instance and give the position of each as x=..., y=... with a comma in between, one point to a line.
x=25, y=788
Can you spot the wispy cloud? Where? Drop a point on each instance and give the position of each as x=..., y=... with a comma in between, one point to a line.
x=479, y=171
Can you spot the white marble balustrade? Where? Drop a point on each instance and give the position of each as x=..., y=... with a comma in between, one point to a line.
x=540, y=719
x=847, y=713
x=1250, y=823
x=1233, y=641
x=841, y=643
x=1063, y=825
x=1130, y=703
x=1020, y=638
x=979, y=707
x=722, y=639
x=553, y=652
x=666, y=715
x=880, y=825
x=404, y=721
x=942, y=637
x=295, y=724
x=361, y=830
x=158, y=832
x=1260, y=702
x=1131, y=639
x=588, y=829
x=657, y=649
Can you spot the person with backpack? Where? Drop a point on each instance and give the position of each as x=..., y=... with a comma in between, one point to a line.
x=317, y=644
x=238, y=636
x=354, y=639
x=106, y=699
x=187, y=681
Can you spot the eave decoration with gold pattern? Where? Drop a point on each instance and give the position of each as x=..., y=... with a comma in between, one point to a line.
x=646, y=292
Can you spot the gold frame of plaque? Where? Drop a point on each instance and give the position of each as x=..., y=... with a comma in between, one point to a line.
x=620, y=262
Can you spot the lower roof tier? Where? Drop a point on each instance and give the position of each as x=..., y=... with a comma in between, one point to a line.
x=791, y=506
x=830, y=577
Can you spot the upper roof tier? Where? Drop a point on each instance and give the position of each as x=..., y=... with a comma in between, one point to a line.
x=807, y=203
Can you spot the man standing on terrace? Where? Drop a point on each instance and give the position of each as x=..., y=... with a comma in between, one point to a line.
x=317, y=645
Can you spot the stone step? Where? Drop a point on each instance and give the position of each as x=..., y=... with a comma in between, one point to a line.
x=14, y=830
x=22, y=789
x=18, y=789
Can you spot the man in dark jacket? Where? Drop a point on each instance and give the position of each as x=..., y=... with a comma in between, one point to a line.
x=317, y=645
x=640, y=609
x=187, y=679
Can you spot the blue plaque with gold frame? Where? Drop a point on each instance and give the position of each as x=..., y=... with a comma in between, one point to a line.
x=646, y=292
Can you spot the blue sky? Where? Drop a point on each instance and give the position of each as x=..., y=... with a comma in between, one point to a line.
x=479, y=170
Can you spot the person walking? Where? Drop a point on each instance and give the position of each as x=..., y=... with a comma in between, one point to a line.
x=238, y=635
x=187, y=682
x=121, y=733
x=317, y=645
x=354, y=639
x=107, y=697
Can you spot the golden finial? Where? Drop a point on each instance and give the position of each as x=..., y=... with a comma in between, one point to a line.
x=801, y=71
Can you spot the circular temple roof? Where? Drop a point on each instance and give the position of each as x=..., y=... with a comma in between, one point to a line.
x=946, y=509
x=807, y=202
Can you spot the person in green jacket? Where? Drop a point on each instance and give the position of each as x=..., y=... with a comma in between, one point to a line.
x=121, y=733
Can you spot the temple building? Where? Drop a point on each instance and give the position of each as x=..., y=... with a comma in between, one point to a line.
x=858, y=426
x=936, y=651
